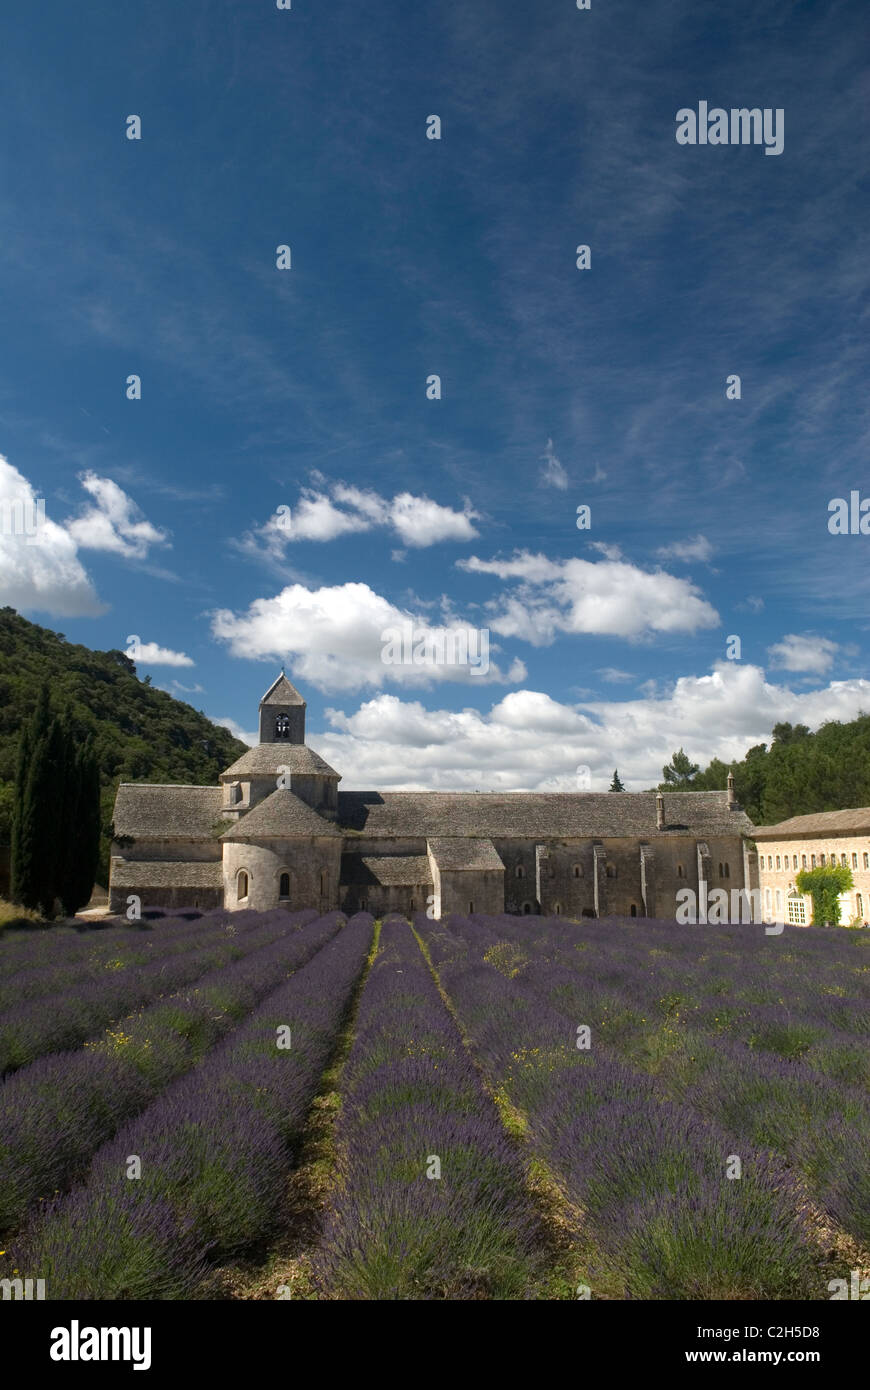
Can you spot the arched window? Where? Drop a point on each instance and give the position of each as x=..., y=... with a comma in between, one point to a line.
x=634, y=909
x=859, y=906
x=681, y=873
x=557, y=909
x=578, y=870
x=471, y=907
x=242, y=885
x=521, y=873
x=284, y=886
x=282, y=726
x=527, y=907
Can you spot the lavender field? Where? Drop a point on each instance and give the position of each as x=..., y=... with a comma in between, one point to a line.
x=282, y=1105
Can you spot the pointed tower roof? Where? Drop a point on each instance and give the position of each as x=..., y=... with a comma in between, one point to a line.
x=282, y=693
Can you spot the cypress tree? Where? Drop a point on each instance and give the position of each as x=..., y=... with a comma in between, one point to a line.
x=27, y=877
x=82, y=828
x=616, y=785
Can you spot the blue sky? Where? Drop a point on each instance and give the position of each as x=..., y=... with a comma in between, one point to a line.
x=306, y=388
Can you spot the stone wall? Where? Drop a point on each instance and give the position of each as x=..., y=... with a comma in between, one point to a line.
x=305, y=858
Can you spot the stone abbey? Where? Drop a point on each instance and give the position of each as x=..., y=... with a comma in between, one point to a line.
x=278, y=831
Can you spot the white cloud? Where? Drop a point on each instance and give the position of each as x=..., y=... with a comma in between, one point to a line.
x=698, y=548
x=333, y=636
x=553, y=474
x=319, y=516
x=114, y=523
x=803, y=652
x=151, y=654
x=613, y=675
x=609, y=596
x=530, y=742
x=251, y=739
x=40, y=572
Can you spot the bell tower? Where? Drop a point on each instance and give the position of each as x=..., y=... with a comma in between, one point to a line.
x=282, y=714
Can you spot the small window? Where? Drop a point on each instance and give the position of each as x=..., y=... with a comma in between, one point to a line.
x=778, y=865
x=242, y=885
x=727, y=869
x=611, y=871
x=527, y=907
x=867, y=861
x=822, y=859
x=324, y=883
x=854, y=861
x=557, y=909
x=578, y=870
x=363, y=905
x=681, y=873
x=794, y=861
x=721, y=872
x=634, y=909
x=770, y=861
x=471, y=907
x=284, y=886
x=859, y=905
x=521, y=873
x=843, y=861
x=767, y=896
x=803, y=861
x=812, y=861
x=779, y=900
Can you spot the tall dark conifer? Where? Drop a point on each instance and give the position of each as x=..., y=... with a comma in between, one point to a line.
x=27, y=862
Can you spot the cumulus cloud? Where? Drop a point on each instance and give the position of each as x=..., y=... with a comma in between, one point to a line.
x=606, y=597
x=804, y=652
x=698, y=548
x=251, y=738
x=39, y=571
x=114, y=522
x=152, y=654
x=529, y=742
x=347, y=510
x=334, y=638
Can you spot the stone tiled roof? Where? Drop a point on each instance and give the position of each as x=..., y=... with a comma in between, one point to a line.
x=396, y=870
x=167, y=812
x=605, y=815
x=281, y=692
x=855, y=821
x=282, y=814
x=268, y=757
x=143, y=873
x=465, y=854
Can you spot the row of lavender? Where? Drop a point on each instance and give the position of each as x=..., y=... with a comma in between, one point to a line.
x=36, y=1027
x=650, y=1176
x=790, y=1076
x=57, y=1111
x=41, y=965
x=430, y=1199
x=212, y=1152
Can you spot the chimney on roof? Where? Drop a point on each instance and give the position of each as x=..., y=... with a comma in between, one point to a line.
x=660, y=811
x=732, y=795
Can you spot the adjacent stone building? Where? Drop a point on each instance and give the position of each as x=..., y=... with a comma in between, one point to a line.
x=809, y=842
x=278, y=831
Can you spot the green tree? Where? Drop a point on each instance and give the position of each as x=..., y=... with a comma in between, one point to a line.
x=83, y=828
x=824, y=885
x=679, y=772
x=616, y=784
